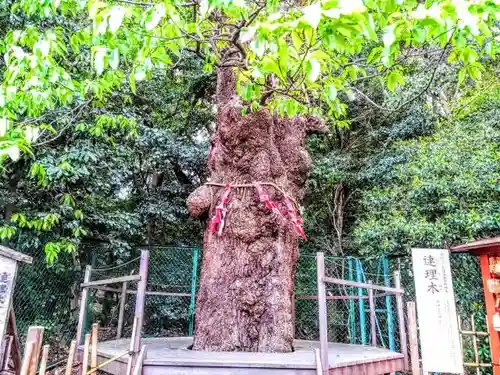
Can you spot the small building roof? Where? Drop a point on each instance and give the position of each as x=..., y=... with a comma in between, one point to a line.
x=489, y=245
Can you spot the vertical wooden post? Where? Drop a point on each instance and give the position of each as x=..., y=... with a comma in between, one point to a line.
x=352, y=316
x=121, y=313
x=131, y=356
x=71, y=358
x=83, y=307
x=140, y=361
x=6, y=353
x=16, y=346
x=141, y=299
x=43, y=362
x=93, y=357
x=373, y=326
x=474, y=344
x=361, y=303
x=135, y=340
x=28, y=353
x=35, y=335
x=319, y=368
x=489, y=299
x=388, y=305
x=413, y=338
x=85, y=360
x=401, y=320
x=323, y=323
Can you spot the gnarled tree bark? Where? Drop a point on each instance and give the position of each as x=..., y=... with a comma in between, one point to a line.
x=247, y=279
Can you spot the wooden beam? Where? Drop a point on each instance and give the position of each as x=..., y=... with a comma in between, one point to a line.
x=330, y=298
x=35, y=335
x=141, y=298
x=413, y=337
x=373, y=324
x=331, y=280
x=140, y=361
x=323, y=323
x=148, y=293
x=83, y=306
x=85, y=360
x=16, y=346
x=6, y=352
x=121, y=311
x=28, y=352
x=43, y=362
x=71, y=358
x=401, y=320
x=93, y=358
x=17, y=256
x=317, y=356
x=131, y=355
x=113, y=280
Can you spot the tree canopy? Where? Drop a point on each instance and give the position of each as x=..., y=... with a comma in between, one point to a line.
x=72, y=106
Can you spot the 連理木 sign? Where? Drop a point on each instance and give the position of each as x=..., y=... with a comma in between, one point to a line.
x=436, y=311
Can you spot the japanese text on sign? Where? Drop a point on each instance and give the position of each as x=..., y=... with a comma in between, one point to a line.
x=437, y=318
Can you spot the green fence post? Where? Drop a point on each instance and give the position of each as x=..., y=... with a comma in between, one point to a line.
x=194, y=275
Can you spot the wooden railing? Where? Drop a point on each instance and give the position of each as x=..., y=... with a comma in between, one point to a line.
x=397, y=291
x=134, y=351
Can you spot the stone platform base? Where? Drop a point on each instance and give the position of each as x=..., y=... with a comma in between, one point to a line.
x=170, y=356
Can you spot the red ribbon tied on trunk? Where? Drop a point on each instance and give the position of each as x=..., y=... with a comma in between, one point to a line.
x=218, y=220
x=263, y=197
x=295, y=218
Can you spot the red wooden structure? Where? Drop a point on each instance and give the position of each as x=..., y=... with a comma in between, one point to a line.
x=487, y=250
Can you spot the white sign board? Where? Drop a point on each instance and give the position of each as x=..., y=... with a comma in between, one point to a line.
x=437, y=316
x=8, y=268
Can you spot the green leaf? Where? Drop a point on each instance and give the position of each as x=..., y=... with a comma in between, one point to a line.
x=283, y=58
x=114, y=59
x=270, y=66
x=312, y=14
x=296, y=40
x=115, y=20
x=394, y=79
x=462, y=74
x=131, y=81
x=4, y=125
x=99, y=54
x=331, y=92
x=313, y=69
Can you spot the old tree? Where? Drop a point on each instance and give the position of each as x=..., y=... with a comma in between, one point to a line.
x=280, y=68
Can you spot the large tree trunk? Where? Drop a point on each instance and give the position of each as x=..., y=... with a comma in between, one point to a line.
x=247, y=279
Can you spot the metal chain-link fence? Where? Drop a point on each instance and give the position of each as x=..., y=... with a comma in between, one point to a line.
x=48, y=295
x=171, y=291
x=349, y=315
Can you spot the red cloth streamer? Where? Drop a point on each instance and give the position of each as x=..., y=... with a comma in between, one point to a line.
x=295, y=218
x=263, y=197
x=218, y=220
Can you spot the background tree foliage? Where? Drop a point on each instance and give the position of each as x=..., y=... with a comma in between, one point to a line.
x=106, y=109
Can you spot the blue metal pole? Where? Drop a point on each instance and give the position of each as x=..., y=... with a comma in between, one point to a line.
x=388, y=305
x=361, y=304
x=194, y=274
x=352, y=317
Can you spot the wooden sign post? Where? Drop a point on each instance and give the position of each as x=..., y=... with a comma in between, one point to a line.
x=436, y=311
x=8, y=270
